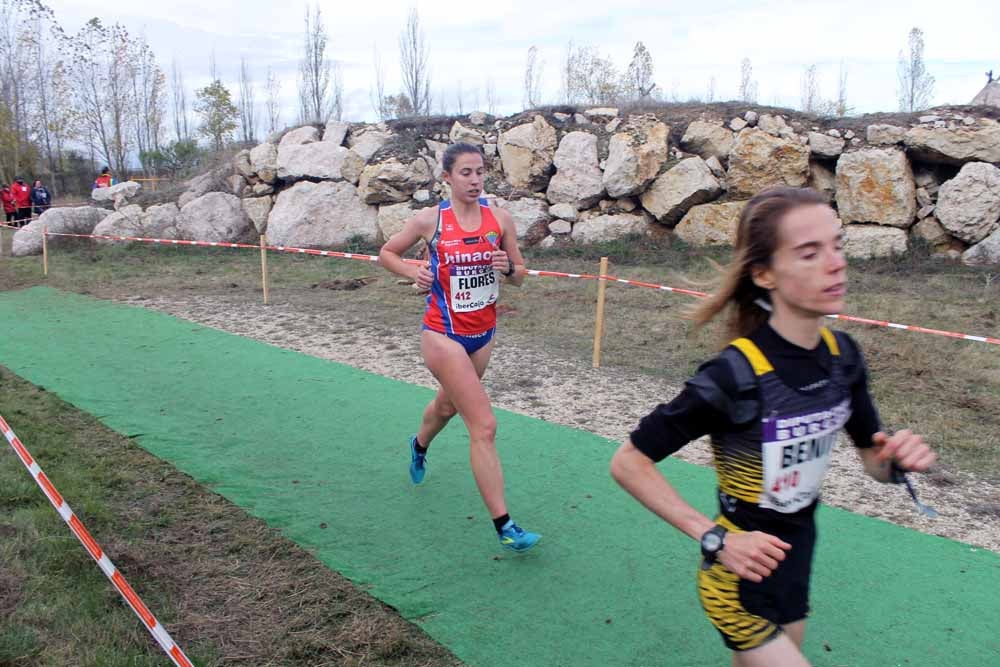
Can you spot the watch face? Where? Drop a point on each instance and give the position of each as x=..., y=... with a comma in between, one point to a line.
x=711, y=542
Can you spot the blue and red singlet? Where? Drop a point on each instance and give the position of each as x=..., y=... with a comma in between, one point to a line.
x=464, y=294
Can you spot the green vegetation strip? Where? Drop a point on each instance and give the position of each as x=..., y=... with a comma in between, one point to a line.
x=318, y=450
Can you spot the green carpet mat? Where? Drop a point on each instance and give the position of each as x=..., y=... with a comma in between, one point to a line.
x=305, y=443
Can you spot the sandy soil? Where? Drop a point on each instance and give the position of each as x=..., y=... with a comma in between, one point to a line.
x=608, y=402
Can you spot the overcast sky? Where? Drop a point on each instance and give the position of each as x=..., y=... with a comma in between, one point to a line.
x=471, y=43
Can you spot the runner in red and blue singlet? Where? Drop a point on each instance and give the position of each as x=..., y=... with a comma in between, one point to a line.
x=472, y=246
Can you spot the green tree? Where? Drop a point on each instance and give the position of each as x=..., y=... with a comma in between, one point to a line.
x=218, y=114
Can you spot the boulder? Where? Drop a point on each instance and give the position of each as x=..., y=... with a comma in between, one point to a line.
x=352, y=166
x=775, y=126
x=211, y=181
x=464, y=134
x=689, y=183
x=526, y=152
x=707, y=140
x=261, y=189
x=956, y=145
x=390, y=219
x=560, y=227
x=969, y=205
x=601, y=113
x=932, y=232
x=885, y=134
x=564, y=212
x=876, y=185
x=870, y=241
x=635, y=159
x=825, y=146
x=128, y=221
x=717, y=169
x=66, y=220
x=759, y=160
x=257, y=209
x=118, y=193
x=478, y=118
x=610, y=227
x=216, y=216
x=737, y=124
x=392, y=181
x=236, y=184
x=613, y=125
x=751, y=118
x=264, y=160
x=320, y=215
x=335, y=132
x=577, y=179
x=986, y=251
x=367, y=141
x=710, y=224
x=242, y=164
x=822, y=179
x=299, y=137
x=320, y=159
x=529, y=214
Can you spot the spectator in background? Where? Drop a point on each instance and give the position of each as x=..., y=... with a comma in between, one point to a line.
x=22, y=199
x=41, y=198
x=105, y=180
x=9, y=207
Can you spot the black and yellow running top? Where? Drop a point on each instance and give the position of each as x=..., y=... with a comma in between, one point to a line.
x=773, y=411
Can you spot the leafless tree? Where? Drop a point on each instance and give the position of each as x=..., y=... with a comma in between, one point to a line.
x=179, y=103
x=458, y=98
x=272, y=101
x=841, y=108
x=317, y=81
x=810, y=90
x=413, y=58
x=377, y=92
x=148, y=100
x=748, y=87
x=491, y=96
x=710, y=90
x=638, y=83
x=533, y=79
x=247, y=105
x=589, y=77
x=916, y=85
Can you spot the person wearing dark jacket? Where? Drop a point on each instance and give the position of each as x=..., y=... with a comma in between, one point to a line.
x=41, y=198
x=22, y=199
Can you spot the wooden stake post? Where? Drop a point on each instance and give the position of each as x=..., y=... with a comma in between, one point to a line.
x=599, y=327
x=45, y=250
x=263, y=264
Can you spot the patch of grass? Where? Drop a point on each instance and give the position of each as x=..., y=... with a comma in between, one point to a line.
x=229, y=589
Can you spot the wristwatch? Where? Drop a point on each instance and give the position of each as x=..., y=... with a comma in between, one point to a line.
x=510, y=268
x=712, y=542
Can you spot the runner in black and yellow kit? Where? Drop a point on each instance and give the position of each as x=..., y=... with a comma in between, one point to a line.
x=773, y=402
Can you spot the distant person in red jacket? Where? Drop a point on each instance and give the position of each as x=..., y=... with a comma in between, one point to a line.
x=22, y=199
x=105, y=180
x=9, y=207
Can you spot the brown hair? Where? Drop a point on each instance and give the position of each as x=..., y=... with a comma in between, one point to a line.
x=756, y=242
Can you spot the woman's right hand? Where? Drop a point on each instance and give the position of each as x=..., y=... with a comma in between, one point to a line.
x=422, y=277
x=752, y=556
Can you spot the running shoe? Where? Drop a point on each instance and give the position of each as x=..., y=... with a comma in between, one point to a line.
x=515, y=538
x=418, y=462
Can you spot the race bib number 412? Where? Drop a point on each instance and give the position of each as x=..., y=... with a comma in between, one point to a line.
x=796, y=454
x=473, y=287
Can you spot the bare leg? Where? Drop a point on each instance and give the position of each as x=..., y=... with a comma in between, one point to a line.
x=779, y=652
x=459, y=376
x=440, y=410
x=796, y=632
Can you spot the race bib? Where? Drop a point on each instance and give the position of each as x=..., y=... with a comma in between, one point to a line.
x=796, y=454
x=473, y=287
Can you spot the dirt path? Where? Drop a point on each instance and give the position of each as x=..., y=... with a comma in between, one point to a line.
x=608, y=402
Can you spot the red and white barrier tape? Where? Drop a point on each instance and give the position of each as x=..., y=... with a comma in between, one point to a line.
x=160, y=634
x=530, y=272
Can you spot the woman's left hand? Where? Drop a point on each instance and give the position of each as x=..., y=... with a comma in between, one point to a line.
x=906, y=448
x=501, y=261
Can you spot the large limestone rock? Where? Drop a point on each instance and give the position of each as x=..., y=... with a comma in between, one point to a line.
x=320, y=215
x=578, y=177
x=526, y=152
x=460, y=133
x=710, y=224
x=264, y=160
x=119, y=193
x=299, y=136
x=932, y=232
x=969, y=205
x=876, y=185
x=77, y=220
x=956, y=145
x=989, y=95
x=885, y=134
x=775, y=126
x=216, y=216
x=320, y=159
x=825, y=146
x=635, y=159
x=707, y=140
x=216, y=180
x=610, y=227
x=822, y=179
x=759, y=160
x=529, y=214
x=335, y=132
x=390, y=219
x=986, y=251
x=368, y=140
x=242, y=164
x=257, y=209
x=689, y=183
x=158, y=222
x=392, y=181
x=352, y=166
x=870, y=241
